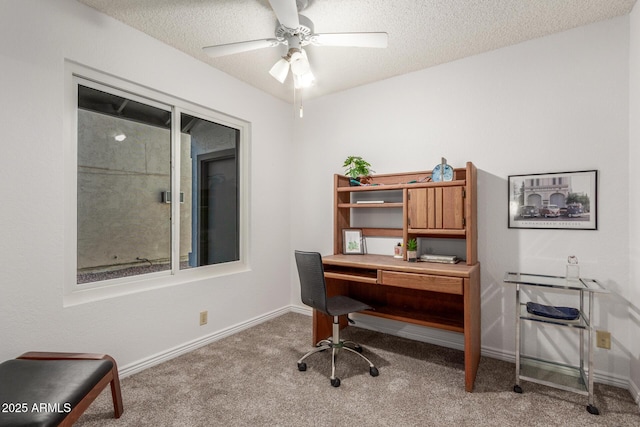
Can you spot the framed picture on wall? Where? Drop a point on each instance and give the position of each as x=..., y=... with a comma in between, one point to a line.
x=352, y=242
x=562, y=200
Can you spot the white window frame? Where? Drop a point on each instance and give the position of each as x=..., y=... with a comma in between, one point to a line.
x=75, y=293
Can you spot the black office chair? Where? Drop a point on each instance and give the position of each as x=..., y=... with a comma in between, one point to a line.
x=314, y=294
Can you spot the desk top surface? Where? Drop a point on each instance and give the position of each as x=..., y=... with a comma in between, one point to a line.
x=387, y=262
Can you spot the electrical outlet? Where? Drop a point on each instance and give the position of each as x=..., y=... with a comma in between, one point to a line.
x=204, y=317
x=603, y=339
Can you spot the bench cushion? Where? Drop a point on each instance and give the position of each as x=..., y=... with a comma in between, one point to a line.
x=49, y=388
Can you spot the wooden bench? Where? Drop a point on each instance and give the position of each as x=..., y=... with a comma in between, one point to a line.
x=54, y=389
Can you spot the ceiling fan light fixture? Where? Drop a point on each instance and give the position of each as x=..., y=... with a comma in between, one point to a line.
x=303, y=80
x=300, y=63
x=280, y=70
x=301, y=70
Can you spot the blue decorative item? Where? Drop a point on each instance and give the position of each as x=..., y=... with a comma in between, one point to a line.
x=442, y=172
x=563, y=313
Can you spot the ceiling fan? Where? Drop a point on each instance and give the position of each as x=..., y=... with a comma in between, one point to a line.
x=296, y=31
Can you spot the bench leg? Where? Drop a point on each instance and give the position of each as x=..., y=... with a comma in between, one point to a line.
x=111, y=378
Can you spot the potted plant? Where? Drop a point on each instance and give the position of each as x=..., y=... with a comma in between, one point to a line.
x=358, y=170
x=412, y=250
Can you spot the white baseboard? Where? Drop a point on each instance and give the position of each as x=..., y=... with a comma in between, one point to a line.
x=419, y=333
x=598, y=376
x=635, y=392
x=169, y=354
x=456, y=341
x=301, y=310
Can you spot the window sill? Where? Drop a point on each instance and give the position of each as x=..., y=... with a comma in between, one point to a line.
x=90, y=292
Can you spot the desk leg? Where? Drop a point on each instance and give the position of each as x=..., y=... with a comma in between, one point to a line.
x=322, y=325
x=472, y=330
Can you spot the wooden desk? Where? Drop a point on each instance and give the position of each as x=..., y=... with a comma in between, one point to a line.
x=443, y=296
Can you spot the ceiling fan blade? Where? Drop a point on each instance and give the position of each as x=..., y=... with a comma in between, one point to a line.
x=351, y=39
x=231, y=48
x=287, y=12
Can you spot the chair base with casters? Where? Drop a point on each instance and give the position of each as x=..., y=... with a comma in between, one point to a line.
x=334, y=344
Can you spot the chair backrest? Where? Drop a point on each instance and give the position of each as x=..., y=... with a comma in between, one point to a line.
x=312, y=285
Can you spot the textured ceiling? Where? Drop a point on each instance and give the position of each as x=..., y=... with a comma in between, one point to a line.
x=422, y=33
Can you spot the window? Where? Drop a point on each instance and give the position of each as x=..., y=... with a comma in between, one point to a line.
x=124, y=169
x=209, y=172
x=129, y=225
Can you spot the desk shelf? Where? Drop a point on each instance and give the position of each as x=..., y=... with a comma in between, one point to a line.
x=429, y=232
x=369, y=205
x=432, y=320
x=354, y=277
x=346, y=188
x=414, y=205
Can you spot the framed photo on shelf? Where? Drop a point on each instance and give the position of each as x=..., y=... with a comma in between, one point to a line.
x=560, y=200
x=352, y=242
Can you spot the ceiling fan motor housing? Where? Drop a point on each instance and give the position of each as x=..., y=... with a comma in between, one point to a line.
x=304, y=31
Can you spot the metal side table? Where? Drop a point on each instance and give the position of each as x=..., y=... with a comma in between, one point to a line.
x=578, y=379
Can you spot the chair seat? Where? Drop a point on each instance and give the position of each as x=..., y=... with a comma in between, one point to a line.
x=340, y=304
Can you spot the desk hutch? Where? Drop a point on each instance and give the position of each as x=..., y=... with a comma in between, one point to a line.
x=443, y=296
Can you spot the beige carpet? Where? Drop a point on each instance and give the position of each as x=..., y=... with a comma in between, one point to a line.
x=251, y=379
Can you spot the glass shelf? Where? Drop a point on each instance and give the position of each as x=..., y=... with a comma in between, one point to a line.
x=557, y=282
x=581, y=322
x=564, y=377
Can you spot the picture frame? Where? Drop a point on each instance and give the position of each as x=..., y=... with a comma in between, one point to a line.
x=352, y=242
x=555, y=200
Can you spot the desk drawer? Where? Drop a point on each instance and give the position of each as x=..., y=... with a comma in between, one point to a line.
x=425, y=282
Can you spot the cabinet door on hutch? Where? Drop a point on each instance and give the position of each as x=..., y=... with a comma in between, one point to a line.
x=436, y=208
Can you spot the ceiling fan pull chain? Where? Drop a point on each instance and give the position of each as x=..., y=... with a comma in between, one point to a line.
x=295, y=103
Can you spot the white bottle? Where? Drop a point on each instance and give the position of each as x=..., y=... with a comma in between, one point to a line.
x=573, y=269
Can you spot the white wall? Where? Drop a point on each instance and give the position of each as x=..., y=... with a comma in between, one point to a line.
x=557, y=103
x=554, y=104
x=36, y=37
x=634, y=198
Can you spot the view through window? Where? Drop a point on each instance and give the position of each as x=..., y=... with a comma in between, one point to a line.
x=124, y=199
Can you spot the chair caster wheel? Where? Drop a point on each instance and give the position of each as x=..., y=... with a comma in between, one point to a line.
x=335, y=382
x=517, y=389
x=592, y=410
x=302, y=367
x=374, y=371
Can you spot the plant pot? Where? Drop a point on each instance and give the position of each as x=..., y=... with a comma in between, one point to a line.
x=361, y=180
x=365, y=179
x=412, y=256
